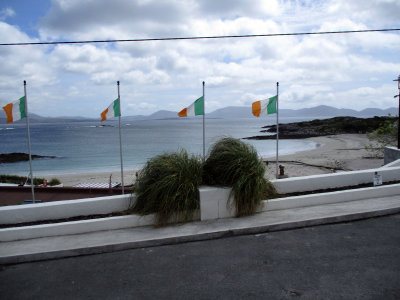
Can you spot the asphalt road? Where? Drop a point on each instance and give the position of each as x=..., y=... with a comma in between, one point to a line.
x=356, y=260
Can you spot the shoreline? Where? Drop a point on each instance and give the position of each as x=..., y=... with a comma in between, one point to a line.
x=97, y=177
x=343, y=152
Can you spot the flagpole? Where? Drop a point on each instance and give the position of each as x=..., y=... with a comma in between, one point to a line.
x=277, y=128
x=204, y=128
x=28, y=133
x=120, y=140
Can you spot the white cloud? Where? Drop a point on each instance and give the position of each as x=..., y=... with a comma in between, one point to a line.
x=368, y=96
x=375, y=12
x=21, y=63
x=235, y=8
x=106, y=19
x=5, y=13
x=312, y=70
x=141, y=105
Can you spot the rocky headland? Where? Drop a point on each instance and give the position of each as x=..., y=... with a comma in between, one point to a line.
x=17, y=157
x=324, y=127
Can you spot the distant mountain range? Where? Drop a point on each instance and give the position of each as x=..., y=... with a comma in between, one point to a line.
x=234, y=112
x=321, y=111
x=34, y=118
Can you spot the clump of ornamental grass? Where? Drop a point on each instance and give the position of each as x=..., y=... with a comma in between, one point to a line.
x=168, y=187
x=234, y=163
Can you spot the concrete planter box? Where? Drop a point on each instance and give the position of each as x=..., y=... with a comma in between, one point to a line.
x=215, y=203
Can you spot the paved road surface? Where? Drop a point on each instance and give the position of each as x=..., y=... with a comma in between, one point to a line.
x=356, y=260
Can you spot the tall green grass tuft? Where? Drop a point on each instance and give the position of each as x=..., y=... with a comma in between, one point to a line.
x=236, y=164
x=168, y=186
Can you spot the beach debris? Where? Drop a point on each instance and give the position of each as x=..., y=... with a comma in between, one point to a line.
x=281, y=170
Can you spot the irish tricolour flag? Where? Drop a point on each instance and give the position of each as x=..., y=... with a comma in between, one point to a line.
x=264, y=106
x=111, y=111
x=197, y=108
x=16, y=110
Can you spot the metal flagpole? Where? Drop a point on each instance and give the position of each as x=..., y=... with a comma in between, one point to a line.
x=28, y=133
x=120, y=140
x=398, y=123
x=204, y=128
x=277, y=128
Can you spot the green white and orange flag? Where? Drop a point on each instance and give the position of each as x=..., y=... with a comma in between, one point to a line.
x=111, y=111
x=195, y=109
x=16, y=110
x=264, y=106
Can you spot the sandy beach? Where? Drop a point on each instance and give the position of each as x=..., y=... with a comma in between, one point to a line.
x=343, y=152
x=99, y=177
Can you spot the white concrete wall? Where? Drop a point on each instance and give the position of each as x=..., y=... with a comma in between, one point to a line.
x=214, y=203
x=391, y=154
x=64, y=209
x=393, y=164
x=335, y=180
x=213, y=200
x=332, y=197
x=75, y=227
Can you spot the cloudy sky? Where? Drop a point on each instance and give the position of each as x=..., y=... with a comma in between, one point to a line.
x=345, y=71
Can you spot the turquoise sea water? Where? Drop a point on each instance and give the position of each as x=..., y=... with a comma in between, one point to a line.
x=82, y=147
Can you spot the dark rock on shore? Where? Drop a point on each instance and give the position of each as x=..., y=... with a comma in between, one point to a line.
x=314, y=128
x=16, y=157
x=281, y=137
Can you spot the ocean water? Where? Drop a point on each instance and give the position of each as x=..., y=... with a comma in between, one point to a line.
x=82, y=147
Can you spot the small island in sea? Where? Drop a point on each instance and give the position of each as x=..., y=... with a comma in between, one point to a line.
x=324, y=127
x=17, y=157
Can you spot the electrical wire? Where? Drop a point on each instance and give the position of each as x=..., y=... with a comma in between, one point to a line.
x=199, y=37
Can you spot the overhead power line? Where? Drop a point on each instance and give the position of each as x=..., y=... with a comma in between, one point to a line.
x=199, y=37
